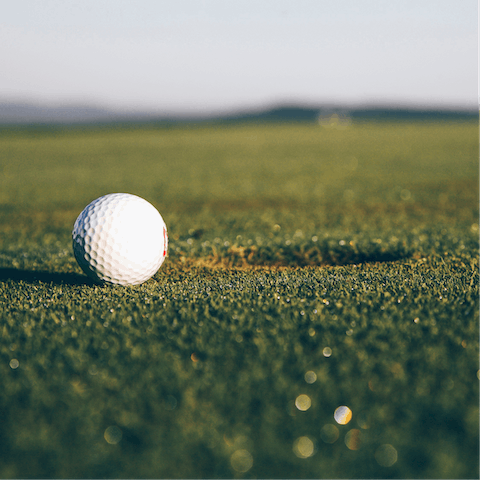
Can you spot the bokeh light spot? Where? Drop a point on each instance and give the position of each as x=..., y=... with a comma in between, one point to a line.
x=329, y=433
x=386, y=455
x=113, y=435
x=303, y=402
x=363, y=420
x=327, y=351
x=14, y=363
x=310, y=377
x=405, y=194
x=241, y=461
x=229, y=440
x=303, y=447
x=353, y=439
x=342, y=415
x=170, y=402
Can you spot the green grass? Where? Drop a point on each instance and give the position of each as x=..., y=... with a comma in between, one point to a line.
x=350, y=253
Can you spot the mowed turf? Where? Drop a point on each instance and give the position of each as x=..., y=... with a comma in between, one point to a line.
x=309, y=268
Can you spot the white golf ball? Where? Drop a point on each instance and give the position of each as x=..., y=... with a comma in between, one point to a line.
x=120, y=238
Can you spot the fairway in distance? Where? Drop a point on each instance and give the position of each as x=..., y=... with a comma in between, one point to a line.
x=121, y=239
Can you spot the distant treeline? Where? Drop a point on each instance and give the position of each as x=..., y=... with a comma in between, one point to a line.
x=304, y=114
x=410, y=114
x=14, y=116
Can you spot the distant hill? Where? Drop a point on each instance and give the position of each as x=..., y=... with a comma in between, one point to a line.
x=30, y=113
x=18, y=114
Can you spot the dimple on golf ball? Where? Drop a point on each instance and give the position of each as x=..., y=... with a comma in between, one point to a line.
x=121, y=239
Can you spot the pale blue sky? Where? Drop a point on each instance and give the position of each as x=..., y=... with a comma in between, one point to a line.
x=198, y=55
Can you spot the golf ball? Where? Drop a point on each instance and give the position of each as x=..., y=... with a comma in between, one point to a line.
x=120, y=238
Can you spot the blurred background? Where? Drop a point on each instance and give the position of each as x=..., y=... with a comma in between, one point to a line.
x=98, y=60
